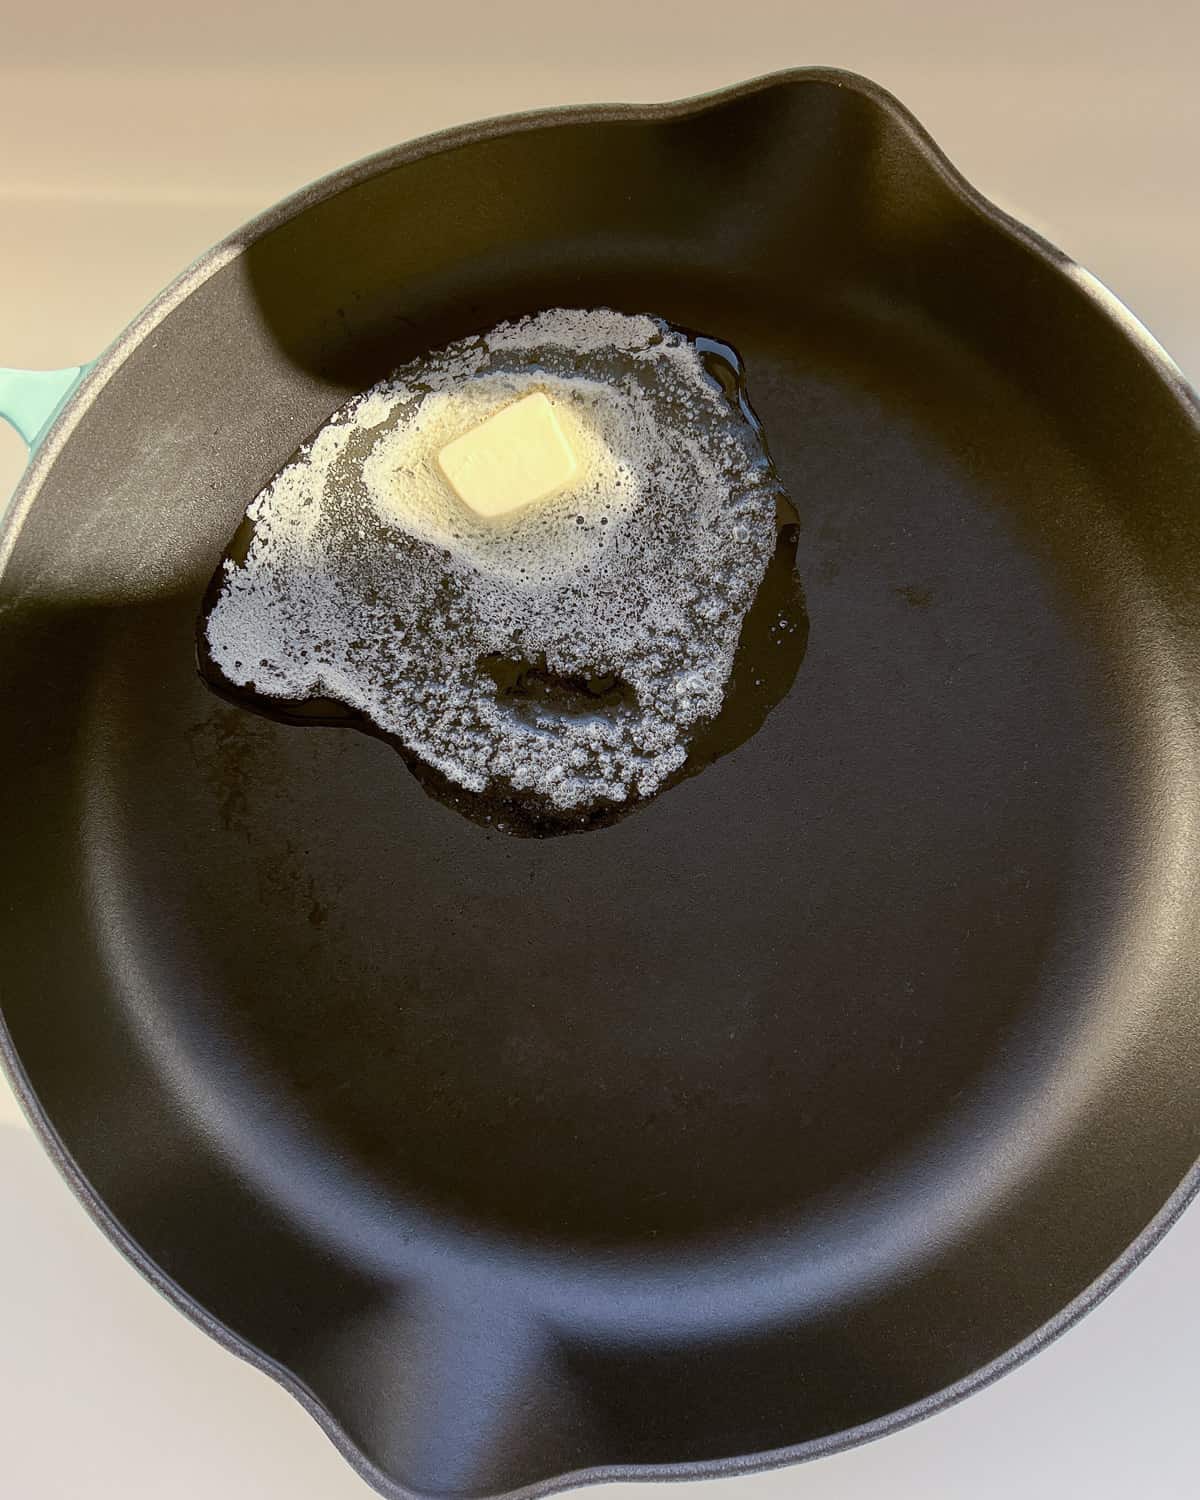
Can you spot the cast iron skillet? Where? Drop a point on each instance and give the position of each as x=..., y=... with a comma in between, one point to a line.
x=788, y=1109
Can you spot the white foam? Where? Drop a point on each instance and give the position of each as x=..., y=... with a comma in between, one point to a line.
x=368, y=581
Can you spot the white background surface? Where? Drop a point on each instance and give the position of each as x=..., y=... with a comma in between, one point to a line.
x=134, y=136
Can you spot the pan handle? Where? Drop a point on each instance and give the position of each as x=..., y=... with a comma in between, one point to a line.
x=31, y=399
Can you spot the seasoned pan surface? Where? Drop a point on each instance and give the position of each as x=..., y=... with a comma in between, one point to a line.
x=786, y=1109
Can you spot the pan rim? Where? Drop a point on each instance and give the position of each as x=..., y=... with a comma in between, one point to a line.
x=773, y=1458
x=227, y=250
x=1160, y=364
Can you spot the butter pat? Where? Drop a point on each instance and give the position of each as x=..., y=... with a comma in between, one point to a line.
x=519, y=455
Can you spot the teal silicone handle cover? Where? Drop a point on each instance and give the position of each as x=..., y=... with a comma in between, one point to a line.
x=31, y=399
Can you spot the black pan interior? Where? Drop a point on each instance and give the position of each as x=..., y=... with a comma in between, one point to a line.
x=783, y=1104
